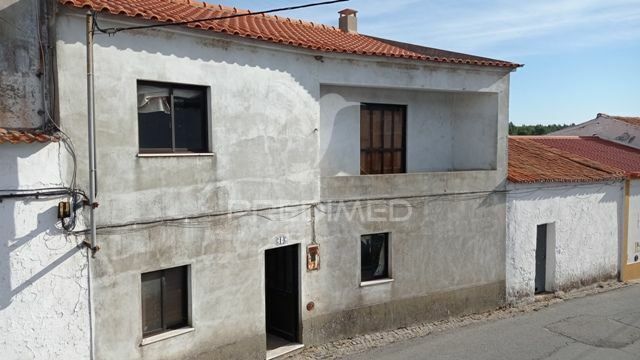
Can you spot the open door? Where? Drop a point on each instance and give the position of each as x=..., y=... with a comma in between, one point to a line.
x=281, y=295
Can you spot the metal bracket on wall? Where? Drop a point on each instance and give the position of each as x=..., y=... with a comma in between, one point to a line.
x=94, y=249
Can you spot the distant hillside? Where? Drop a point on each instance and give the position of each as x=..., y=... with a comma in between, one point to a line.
x=535, y=129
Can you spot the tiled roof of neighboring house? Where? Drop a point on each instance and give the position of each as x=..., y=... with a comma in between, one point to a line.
x=530, y=161
x=606, y=152
x=277, y=29
x=25, y=136
x=627, y=119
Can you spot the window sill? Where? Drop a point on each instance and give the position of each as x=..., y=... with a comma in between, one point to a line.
x=160, y=155
x=375, y=282
x=166, y=335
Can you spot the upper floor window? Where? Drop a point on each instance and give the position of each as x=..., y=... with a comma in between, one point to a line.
x=382, y=139
x=172, y=118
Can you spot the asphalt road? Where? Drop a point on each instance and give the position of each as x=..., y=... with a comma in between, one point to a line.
x=598, y=327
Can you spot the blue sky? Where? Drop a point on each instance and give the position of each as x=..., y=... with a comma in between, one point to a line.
x=581, y=56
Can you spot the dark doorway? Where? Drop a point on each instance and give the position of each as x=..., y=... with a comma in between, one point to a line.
x=281, y=294
x=541, y=258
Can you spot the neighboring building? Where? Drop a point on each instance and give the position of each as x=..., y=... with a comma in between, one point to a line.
x=573, y=213
x=621, y=129
x=627, y=160
x=564, y=215
x=43, y=272
x=44, y=312
x=23, y=72
x=234, y=155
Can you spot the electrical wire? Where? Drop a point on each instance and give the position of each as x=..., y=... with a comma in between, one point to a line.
x=422, y=200
x=256, y=212
x=115, y=30
x=50, y=127
x=413, y=201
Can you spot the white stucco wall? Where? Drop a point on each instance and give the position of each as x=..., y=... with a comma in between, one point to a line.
x=585, y=228
x=43, y=274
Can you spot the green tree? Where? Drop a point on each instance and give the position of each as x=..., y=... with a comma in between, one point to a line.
x=538, y=129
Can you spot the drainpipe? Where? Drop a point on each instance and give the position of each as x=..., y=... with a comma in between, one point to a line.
x=92, y=177
x=92, y=133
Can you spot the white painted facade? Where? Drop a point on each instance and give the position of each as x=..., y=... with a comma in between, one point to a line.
x=606, y=127
x=44, y=311
x=583, y=240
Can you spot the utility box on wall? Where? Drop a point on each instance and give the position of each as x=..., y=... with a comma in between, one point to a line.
x=313, y=257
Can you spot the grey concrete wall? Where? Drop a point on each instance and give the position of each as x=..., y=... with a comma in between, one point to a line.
x=475, y=131
x=265, y=131
x=20, y=64
x=446, y=131
x=441, y=247
x=226, y=256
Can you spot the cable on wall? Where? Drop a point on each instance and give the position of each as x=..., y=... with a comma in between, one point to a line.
x=413, y=201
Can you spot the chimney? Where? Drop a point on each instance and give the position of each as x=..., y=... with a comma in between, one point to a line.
x=348, y=21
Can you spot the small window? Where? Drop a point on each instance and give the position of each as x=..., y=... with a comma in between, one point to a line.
x=165, y=300
x=374, y=256
x=172, y=118
x=382, y=139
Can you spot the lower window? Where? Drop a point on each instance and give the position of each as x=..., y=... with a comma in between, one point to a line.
x=374, y=255
x=165, y=300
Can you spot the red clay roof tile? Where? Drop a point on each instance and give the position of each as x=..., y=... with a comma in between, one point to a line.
x=278, y=30
x=531, y=162
x=621, y=157
x=25, y=136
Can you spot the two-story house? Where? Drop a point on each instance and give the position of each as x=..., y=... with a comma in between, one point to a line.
x=265, y=182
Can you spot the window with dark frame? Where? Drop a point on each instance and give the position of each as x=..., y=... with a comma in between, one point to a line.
x=382, y=139
x=172, y=118
x=165, y=299
x=374, y=257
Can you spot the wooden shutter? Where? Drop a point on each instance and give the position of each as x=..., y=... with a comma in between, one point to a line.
x=382, y=139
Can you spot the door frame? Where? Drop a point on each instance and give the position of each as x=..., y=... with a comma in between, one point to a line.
x=298, y=302
x=538, y=278
x=550, y=257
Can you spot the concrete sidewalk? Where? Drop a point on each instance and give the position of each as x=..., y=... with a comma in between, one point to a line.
x=603, y=326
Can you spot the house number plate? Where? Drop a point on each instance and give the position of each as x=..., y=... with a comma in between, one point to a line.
x=281, y=240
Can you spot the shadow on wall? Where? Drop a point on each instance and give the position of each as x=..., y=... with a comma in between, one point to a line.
x=217, y=48
x=337, y=157
x=15, y=219
x=210, y=46
x=547, y=191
